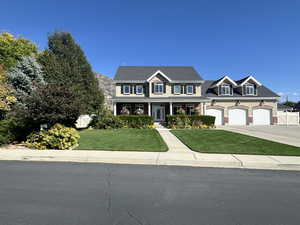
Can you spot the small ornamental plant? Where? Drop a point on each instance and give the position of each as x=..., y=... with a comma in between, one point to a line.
x=58, y=137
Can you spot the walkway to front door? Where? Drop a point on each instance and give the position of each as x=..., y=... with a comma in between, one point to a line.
x=158, y=113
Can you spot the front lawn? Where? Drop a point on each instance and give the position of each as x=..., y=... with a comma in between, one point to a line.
x=220, y=141
x=122, y=140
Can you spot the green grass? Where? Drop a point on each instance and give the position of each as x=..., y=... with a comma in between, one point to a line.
x=220, y=141
x=122, y=140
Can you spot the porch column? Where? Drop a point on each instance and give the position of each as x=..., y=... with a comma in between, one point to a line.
x=149, y=109
x=171, y=108
x=204, y=108
x=115, y=108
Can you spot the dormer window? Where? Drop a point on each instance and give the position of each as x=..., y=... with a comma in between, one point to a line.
x=249, y=89
x=177, y=89
x=126, y=89
x=158, y=88
x=225, y=89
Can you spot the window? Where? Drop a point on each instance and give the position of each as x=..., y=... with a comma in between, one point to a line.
x=126, y=89
x=139, y=109
x=190, y=89
x=190, y=109
x=176, y=108
x=158, y=88
x=225, y=89
x=177, y=89
x=139, y=89
x=249, y=89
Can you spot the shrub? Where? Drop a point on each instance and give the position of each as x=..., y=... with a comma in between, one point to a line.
x=14, y=129
x=58, y=137
x=136, y=121
x=106, y=120
x=195, y=121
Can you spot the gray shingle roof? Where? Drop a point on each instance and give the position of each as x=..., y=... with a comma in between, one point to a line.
x=142, y=73
x=262, y=91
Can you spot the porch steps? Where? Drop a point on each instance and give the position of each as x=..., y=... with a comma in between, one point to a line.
x=159, y=125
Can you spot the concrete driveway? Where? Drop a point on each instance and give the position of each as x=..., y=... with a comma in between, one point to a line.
x=283, y=134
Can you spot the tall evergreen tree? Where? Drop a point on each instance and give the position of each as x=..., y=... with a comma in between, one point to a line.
x=65, y=64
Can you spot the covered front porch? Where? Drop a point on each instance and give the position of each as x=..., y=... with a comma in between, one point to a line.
x=159, y=110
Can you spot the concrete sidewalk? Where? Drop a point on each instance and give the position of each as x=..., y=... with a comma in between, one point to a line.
x=156, y=158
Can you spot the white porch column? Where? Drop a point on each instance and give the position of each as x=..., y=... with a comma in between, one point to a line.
x=171, y=108
x=204, y=108
x=149, y=109
x=115, y=108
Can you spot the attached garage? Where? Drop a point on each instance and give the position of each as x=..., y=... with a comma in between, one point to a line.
x=262, y=116
x=218, y=113
x=237, y=117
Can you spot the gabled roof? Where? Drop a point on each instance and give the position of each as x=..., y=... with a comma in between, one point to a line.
x=262, y=92
x=222, y=79
x=246, y=79
x=142, y=73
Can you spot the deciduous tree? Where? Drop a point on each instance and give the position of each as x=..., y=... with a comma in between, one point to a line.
x=13, y=49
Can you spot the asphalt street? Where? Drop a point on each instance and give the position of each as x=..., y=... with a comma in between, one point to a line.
x=43, y=193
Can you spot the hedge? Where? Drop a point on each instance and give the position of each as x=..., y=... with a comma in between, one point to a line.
x=136, y=121
x=184, y=121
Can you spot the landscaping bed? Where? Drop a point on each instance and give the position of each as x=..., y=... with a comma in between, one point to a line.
x=220, y=141
x=122, y=140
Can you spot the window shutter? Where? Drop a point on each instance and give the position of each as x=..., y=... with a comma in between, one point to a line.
x=165, y=84
x=134, y=89
x=219, y=90
x=194, y=89
x=122, y=89
x=172, y=88
x=231, y=90
x=152, y=87
x=244, y=90
x=182, y=89
x=255, y=89
x=131, y=89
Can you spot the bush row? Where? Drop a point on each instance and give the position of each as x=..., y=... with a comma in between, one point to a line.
x=136, y=121
x=106, y=120
x=195, y=121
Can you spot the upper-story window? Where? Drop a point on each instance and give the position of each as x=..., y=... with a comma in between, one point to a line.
x=249, y=89
x=177, y=89
x=158, y=88
x=190, y=89
x=139, y=90
x=225, y=89
x=126, y=89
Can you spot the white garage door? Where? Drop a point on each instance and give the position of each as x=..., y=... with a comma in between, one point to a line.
x=261, y=117
x=237, y=117
x=218, y=113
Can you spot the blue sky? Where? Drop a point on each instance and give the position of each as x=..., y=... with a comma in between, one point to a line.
x=232, y=37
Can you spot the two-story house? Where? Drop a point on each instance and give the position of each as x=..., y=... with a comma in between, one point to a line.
x=164, y=90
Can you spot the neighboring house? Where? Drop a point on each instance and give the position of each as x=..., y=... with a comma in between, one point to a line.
x=284, y=108
x=164, y=90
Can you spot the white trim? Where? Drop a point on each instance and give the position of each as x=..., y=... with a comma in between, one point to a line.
x=161, y=73
x=252, y=78
x=226, y=78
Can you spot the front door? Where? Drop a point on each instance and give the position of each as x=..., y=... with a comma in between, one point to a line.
x=159, y=113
